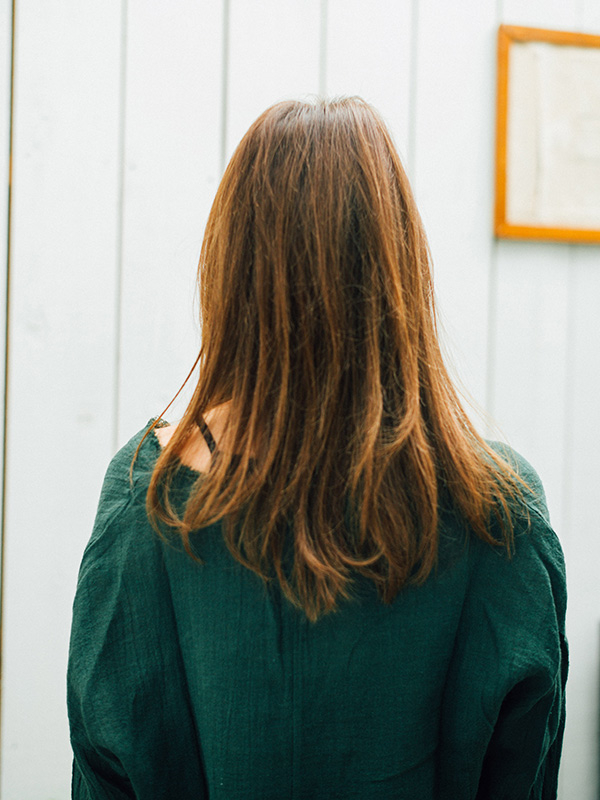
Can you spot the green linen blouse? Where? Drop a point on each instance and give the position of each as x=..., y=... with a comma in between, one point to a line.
x=197, y=681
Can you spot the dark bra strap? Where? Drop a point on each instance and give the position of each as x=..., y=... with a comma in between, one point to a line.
x=212, y=445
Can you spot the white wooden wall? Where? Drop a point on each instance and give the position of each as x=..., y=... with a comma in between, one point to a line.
x=125, y=113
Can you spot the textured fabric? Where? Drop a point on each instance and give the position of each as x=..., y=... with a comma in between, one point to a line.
x=197, y=681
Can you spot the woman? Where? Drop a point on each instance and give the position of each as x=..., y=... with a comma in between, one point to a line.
x=322, y=582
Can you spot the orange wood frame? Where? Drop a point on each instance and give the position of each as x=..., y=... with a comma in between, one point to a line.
x=507, y=34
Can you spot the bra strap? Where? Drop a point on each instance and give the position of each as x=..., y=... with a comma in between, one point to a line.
x=212, y=445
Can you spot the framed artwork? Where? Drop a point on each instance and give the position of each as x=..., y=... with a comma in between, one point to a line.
x=548, y=135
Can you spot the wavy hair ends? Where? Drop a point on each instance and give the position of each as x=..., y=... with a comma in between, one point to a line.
x=319, y=331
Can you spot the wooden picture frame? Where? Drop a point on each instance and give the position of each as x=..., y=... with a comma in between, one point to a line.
x=547, y=135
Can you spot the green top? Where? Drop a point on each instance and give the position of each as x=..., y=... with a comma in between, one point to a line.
x=196, y=681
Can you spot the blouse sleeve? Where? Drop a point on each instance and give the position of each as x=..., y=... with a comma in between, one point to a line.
x=126, y=687
x=523, y=756
x=504, y=714
x=98, y=777
x=94, y=667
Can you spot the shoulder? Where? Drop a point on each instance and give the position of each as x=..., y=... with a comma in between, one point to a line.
x=534, y=495
x=537, y=567
x=121, y=507
x=144, y=447
x=130, y=466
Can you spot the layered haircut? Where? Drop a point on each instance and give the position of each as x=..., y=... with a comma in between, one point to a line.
x=319, y=329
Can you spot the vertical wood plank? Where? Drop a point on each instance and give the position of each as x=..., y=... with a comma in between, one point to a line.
x=62, y=363
x=530, y=358
x=172, y=149
x=5, y=94
x=581, y=543
x=580, y=773
x=368, y=53
x=534, y=399
x=279, y=61
x=453, y=172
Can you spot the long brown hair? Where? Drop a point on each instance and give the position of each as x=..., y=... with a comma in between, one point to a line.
x=319, y=330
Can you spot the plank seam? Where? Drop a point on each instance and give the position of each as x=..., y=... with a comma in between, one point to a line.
x=224, y=85
x=6, y=342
